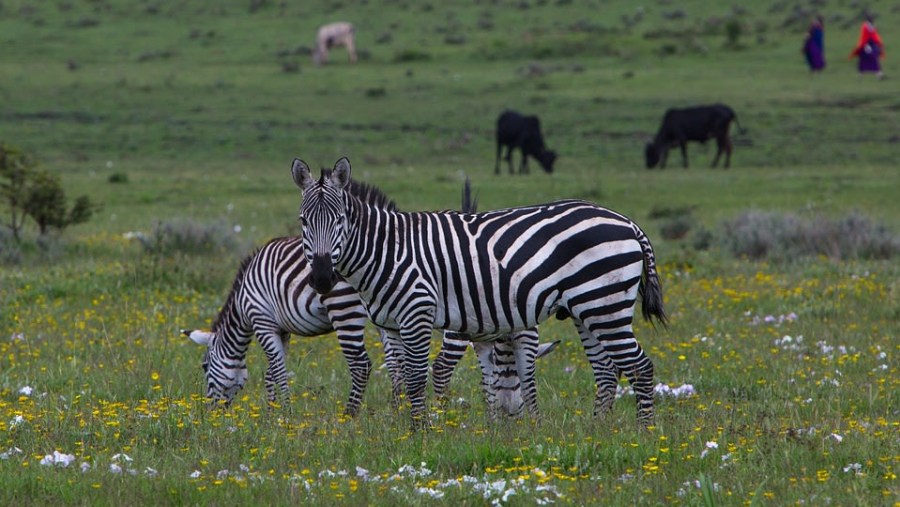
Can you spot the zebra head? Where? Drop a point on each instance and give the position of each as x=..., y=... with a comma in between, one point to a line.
x=500, y=373
x=224, y=377
x=322, y=220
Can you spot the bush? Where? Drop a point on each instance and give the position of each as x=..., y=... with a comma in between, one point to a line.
x=769, y=235
x=188, y=237
x=411, y=55
x=733, y=32
x=10, y=251
x=118, y=178
x=676, y=228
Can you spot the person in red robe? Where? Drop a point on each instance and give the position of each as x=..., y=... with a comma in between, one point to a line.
x=869, y=49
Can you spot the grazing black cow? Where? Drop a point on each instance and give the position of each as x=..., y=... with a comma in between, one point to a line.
x=698, y=123
x=524, y=132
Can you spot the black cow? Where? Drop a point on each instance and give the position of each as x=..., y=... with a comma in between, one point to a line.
x=698, y=123
x=524, y=132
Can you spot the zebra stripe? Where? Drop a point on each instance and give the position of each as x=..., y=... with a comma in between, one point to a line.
x=487, y=274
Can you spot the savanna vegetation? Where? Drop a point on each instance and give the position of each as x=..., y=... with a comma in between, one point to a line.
x=178, y=122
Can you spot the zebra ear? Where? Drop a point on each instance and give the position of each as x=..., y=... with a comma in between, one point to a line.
x=340, y=175
x=301, y=175
x=546, y=348
x=197, y=336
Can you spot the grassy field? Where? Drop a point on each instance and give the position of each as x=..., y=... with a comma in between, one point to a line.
x=200, y=107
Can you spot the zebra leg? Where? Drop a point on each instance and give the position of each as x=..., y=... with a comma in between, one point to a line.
x=276, y=372
x=354, y=350
x=393, y=359
x=605, y=374
x=629, y=358
x=453, y=347
x=416, y=344
x=525, y=347
x=487, y=363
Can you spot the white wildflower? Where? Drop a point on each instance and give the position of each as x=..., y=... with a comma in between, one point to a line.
x=85, y=466
x=853, y=467
x=58, y=458
x=26, y=391
x=837, y=437
x=433, y=493
x=114, y=468
x=11, y=451
x=709, y=445
x=195, y=474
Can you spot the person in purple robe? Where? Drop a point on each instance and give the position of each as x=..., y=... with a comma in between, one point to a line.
x=814, y=45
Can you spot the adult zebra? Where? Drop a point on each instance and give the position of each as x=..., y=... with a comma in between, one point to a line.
x=271, y=298
x=487, y=274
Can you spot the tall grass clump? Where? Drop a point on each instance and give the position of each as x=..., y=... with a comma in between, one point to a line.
x=778, y=236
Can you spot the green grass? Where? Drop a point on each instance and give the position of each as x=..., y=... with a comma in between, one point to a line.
x=190, y=102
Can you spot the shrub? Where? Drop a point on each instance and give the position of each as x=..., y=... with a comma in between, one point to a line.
x=10, y=251
x=677, y=227
x=188, y=237
x=769, y=235
x=733, y=32
x=118, y=178
x=411, y=55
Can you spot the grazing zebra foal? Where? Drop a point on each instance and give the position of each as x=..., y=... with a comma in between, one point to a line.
x=271, y=298
x=487, y=274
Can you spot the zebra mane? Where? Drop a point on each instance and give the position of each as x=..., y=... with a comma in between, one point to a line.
x=366, y=193
x=235, y=287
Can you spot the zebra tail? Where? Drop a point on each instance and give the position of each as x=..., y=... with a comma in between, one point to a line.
x=650, y=288
x=469, y=203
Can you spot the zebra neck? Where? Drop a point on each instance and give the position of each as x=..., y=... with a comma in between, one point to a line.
x=371, y=247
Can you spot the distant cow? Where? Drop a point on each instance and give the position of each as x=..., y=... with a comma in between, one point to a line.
x=334, y=35
x=698, y=123
x=524, y=132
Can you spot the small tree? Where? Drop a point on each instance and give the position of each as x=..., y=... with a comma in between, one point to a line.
x=37, y=194
x=15, y=169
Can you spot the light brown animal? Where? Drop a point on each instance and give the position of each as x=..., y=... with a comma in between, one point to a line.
x=333, y=35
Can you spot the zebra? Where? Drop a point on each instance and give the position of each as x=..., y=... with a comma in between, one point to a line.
x=487, y=274
x=271, y=298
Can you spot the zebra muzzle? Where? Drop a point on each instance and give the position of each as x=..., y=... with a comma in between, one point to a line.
x=322, y=277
